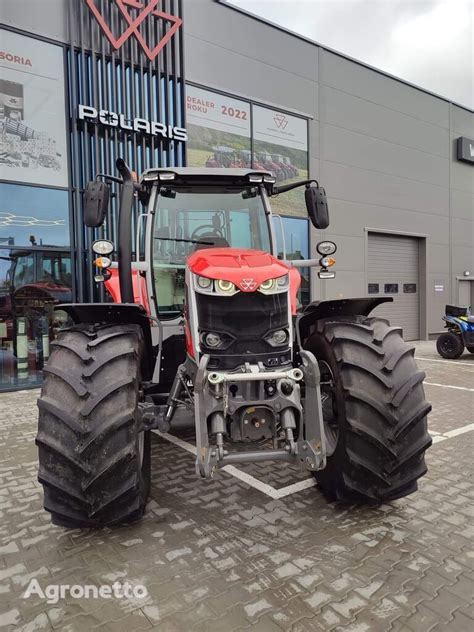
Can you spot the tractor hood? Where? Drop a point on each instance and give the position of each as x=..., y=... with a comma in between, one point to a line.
x=247, y=269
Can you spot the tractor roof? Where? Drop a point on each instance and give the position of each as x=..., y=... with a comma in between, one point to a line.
x=208, y=176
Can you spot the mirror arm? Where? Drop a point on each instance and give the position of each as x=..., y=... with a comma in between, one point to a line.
x=106, y=176
x=293, y=185
x=303, y=263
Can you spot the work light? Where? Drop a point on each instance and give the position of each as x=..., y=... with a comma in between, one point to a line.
x=326, y=248
x=102, y=247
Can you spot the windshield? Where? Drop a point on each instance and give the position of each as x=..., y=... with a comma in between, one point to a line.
x=192, y=218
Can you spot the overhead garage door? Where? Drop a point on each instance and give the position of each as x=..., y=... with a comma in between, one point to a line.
x=394, y=270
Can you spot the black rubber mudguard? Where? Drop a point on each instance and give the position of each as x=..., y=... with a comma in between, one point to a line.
x=335, y=309
x=120, y=313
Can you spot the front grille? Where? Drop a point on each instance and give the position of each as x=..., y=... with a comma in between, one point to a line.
x=246, y=318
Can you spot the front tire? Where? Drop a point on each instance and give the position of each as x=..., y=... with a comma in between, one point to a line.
x=94, y=463
x=450, y=345
x=376, y=423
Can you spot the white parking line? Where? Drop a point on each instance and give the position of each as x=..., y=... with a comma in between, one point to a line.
x=459, y=388
x=243, y=476
x=471, y=364
x=277, y=494
x=437, y=437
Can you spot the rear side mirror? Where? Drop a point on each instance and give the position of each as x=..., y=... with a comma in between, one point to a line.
x=96, y=203
x=317, y=206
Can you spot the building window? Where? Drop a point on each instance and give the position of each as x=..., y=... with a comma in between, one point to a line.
x=32, y=283
x=391, y=288
x=374, y=288
x=409, y=288
x=33, y=216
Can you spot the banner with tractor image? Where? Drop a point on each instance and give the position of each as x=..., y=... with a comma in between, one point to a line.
x=218, y=130
x=280, y=144
x=228, y=132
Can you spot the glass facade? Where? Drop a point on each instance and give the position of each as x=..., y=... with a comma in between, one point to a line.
x=32, y=283
x=35, y=257
x=33, y=216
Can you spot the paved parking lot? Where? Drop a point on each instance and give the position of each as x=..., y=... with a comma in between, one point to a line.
x=257, y=546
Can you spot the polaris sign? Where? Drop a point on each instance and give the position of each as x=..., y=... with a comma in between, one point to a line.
x=137, y=125
x=466, y=149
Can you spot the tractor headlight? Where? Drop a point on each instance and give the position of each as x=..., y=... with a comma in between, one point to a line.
x=225, y=287
x=274, y=286
x=212, y=340
x=268, y=285
x=277, y=338
x=326, y=248
x=102, y=247
x=204, y=283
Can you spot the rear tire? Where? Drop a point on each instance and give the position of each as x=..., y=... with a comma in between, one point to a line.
x=94, y=463
x=450, y=345
x=377, y=425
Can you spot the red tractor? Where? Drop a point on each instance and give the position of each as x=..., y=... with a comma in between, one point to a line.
x=203, y=330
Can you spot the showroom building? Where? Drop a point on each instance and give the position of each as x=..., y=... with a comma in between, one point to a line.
x=201, y=83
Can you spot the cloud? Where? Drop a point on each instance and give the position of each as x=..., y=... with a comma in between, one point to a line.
x=429, y=43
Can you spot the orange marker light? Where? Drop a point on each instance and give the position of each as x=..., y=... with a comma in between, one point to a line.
x=327, y=262
x=103, y=262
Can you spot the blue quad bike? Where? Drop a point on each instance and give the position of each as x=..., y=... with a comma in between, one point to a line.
x=460, y=335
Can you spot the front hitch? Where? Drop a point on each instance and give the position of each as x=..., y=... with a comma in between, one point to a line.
x=309, y=450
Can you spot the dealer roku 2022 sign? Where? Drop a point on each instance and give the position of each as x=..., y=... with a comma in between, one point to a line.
x=107, y=118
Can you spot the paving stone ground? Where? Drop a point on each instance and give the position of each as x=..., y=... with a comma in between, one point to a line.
x=220, y=555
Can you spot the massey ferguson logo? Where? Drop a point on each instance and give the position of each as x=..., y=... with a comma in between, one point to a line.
x=135, y=14
x=280, y=121
x=248, y=284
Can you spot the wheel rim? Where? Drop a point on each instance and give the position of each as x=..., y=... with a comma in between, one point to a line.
x=329, y=407
x=447, y=346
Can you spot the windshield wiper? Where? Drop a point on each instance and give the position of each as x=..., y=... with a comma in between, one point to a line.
x=188, y=241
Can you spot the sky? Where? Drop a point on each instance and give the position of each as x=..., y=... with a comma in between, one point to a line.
x=429, y=43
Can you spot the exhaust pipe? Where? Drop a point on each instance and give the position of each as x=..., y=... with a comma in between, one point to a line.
x=124, y=232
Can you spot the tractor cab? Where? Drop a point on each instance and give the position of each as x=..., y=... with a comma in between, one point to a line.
x=190, y=215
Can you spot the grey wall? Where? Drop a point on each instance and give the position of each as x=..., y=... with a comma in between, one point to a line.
x=384, y=150
x=47, y=18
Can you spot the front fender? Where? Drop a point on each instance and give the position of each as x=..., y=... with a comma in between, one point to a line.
x=120, y=313
x=334, y=309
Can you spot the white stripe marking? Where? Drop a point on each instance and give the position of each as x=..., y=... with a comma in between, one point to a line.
x=458, y=388
x=250, y=480
x=471, y=364
x=277, y=494
x=458, y=431
x=451, y=433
